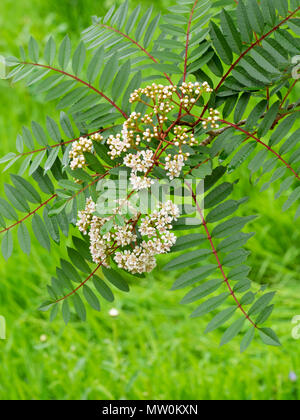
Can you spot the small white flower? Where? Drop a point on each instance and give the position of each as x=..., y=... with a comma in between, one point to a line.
x=113, y=312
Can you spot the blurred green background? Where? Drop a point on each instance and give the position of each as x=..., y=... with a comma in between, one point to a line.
x=152, y=350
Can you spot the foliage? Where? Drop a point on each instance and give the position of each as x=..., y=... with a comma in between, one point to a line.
x=249, y=47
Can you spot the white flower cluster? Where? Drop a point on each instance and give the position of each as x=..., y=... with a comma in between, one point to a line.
x=79, y=147
x=154, y=230
x=102, y=243
x=174, y=165
x=156, y=227
x=140, y=162
x=214, y=116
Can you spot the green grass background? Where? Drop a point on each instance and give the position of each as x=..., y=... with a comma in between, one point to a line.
x=152, y=350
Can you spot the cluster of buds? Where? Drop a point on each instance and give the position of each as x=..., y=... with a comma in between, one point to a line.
x=182, y=136
x=156, y=239
x=192, y=92
x=174, y=164
x=158, y=93
x=212, y=120
x=79, y=147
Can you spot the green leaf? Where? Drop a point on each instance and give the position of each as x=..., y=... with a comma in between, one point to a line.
x=241, y=156
x=220, y=319
x=264, y=315
x=241, y=106
x=36, y=162
x=7, y=157
x=95, y=65
x=109, y=72
x=202, y=291
x=78, y=260
x=132, y=19
x=256, y=18
x=66, y=311
x=235, y=241
x=50, y=51
x=212, y=179
x=66, y=125
x=142, y=25
x=255, y=115
x=64, y=53
x=188, y=241
x=16, y=199
x=269, y=337
x=188, y=259
x=268, y=120
x=121, y=80
x=44, y=181
x=193, y=276
x=79, y=307
x=24, y=238
x=7, y=245
x=261, y=303
x=53, y=129
x=51, y=159
x=232, y=331
x=39, y=133
x=235, y=258
x=78, y=58
x=222, y=210
x=116, y=279
x=151, y=30
x=247, y=340
x=91, y=298
x=103, y=289
x=7, y=210
x=70, y=271
x=27, y=137
x=243, y=22
x=231, y=34
x=293, y=198
x=219, y=194
x=93, y=163
x=210, y=305
x=33, y=50
x=40, y=231
x=220, y=43
x=282, y=130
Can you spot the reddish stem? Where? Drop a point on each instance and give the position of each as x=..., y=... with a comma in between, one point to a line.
x=80, y=81
x=248, y=50
x=217, y=256
x=65, y=142
x=188, y=39
x=29, y=214
x=263, y=144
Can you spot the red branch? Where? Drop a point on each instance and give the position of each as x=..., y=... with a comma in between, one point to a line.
x=138, y=45
x=81, y=284
x=263, y=144
x=80, y=81
x=248, y=50
x=217, y=256
x=65, y=142
x=188, y=39
x=254, y=45
x=29, y=214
